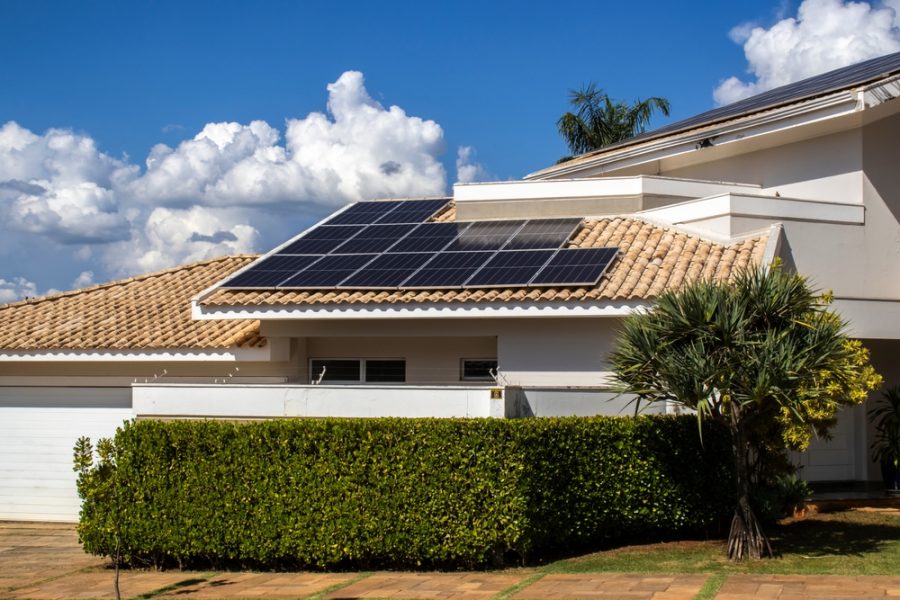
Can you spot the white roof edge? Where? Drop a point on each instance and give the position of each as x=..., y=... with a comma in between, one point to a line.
x=263, y=354
x=700, y=132
x=442, y=310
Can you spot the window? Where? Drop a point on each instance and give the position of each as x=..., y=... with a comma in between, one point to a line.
x=477, y=369
x=358, y=370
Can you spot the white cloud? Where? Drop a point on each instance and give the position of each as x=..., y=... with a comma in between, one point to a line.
x=60, y=185
x=16, y=288
x=825, y=35
x=218, y=192
x=173, y=236
x=363, y=151
x=467, y=170
x=85, y=279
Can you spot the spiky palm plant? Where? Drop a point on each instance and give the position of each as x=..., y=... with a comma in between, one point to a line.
x=762, y=354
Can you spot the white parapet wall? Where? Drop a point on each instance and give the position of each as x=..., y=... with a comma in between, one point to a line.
x=239, y=401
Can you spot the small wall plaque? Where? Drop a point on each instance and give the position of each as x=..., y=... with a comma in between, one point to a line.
x=496, y=394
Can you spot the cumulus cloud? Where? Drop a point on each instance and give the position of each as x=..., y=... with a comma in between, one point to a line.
x=85, y=279
x=61, y=186
x=825, y=35
x=218, y=192
x=467, y=169
x=174, y=236
x=361, y=151
x=16, y=288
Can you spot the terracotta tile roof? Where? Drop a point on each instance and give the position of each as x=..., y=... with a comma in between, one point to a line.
x=151, y=311
x=651, y=259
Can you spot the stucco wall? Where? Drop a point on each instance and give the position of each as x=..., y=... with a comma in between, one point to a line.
x=823, y=168
x=530, y=351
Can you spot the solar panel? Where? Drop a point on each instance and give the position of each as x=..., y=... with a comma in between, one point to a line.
x=485, y=235
x=252, y=279
x=575, y=266
x=510, y=268
x=447, y=270
x=819, y=85
x=414, y=211
x=364, y=213
x=329, y=271
x=429, y=237
x=271, y=271
x=377, y=255
x=542, y=233
x=322, y=239
x=387, y=271
x=374, y=239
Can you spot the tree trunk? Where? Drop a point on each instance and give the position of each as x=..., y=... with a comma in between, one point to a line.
x=746, y=538
x=118, y=594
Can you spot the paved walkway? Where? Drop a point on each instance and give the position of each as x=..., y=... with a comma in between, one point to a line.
x=45, y=562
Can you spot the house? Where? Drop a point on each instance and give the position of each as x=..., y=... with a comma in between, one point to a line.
x=804, y=173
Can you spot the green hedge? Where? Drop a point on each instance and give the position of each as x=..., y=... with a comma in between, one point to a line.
x=350, y=493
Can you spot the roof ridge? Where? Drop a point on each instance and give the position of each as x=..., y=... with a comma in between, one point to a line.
x=127, y=280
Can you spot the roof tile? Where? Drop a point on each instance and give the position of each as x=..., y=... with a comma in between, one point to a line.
x=147, y=312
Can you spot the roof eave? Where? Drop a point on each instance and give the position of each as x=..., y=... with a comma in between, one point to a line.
x=761, y=123
x=438, y=310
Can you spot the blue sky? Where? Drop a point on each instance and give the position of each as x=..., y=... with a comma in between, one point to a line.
x=115, y=79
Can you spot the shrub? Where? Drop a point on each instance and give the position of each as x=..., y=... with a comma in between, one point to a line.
x=446, y=493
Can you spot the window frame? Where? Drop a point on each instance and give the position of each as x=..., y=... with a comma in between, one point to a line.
x=313, y=374
x=462, y=369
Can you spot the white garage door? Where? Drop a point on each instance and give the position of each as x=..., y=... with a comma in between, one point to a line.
x=38, y=429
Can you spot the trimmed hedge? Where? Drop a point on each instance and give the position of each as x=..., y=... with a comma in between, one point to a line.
x=349, y=493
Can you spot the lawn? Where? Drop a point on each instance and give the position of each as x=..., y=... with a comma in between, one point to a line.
x=846, y=542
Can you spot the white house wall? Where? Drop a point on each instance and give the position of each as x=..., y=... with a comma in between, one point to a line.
x=537, y=352
x=824, y=168
x=428, y=359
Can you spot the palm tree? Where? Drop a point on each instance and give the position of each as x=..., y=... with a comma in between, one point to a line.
x=763, y=355
x=599, y=121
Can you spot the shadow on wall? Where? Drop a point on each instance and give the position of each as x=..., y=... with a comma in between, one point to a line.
x=571, y=402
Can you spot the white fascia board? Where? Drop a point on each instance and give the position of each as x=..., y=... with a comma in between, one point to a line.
x=759, y=206
x=593, y=188
x=764, y=123
x=124, y=356
x=445, y=310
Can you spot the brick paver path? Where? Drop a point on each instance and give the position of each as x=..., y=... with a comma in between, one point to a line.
x=423, y=586
x=43, y=561
x=800, y=587
x=614, y=585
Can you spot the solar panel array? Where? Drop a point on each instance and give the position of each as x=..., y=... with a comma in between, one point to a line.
x=392, y=245
x=819, y=85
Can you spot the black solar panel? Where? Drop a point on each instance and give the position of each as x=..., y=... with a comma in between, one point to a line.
x=448, y=270
x=354, y=251
x=364, y=213
x=387, y=271
x=510, y=268
x=374, y=239
x=271, y=271
x=429, y=237
x=819, y=85
x=414, y=211
x=575, y=266
x=322, y=239
x=485, y=235
x=329, y=271
x=542, y=233
x=252, y=279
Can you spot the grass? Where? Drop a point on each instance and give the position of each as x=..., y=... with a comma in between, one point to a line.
x=847, y=542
